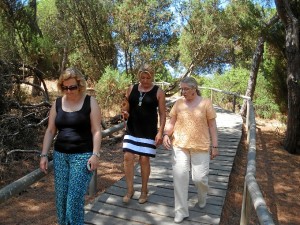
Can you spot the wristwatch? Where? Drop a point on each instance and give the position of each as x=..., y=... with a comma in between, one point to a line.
x=97, y=154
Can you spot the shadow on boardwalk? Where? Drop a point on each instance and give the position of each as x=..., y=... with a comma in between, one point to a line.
x=109, y=209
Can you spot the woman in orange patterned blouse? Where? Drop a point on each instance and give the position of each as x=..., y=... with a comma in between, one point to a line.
x=194, y=142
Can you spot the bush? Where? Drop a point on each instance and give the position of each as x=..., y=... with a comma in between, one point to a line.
x=264, y=99
x=236, y=81
x=110, y=90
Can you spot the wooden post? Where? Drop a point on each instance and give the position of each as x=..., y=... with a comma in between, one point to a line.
x=93, y=184
x=234, y=103
x=246, y=206
x=248, y=121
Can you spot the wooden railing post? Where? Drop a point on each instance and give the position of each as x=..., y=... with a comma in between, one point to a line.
x=93, y=184
x=246, y=206
x=248, y=121
x=234, y=103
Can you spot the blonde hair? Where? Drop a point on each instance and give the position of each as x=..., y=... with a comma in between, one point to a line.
x=69, y=73
x=146, y=68
x=192, y=83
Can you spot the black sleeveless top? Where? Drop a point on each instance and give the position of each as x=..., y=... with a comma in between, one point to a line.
x=74, y=129
x=142, y=120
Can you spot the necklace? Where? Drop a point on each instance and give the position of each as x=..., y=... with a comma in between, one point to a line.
x=141, y=98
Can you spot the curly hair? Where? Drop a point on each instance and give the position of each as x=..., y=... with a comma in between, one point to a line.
x=69, y=73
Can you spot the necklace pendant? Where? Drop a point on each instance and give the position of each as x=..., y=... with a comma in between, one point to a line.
x=141, y=98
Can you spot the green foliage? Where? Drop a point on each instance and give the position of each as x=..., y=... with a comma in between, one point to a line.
x=163, y=75
x=274, y=71
x=201, y=80
x=206, y=38
x=264, y=100
x=90, y=31
x=236, y=81
x=143, y=32
x=95, y=34
x=110, y=89
x=214, y=35
x=8, y=50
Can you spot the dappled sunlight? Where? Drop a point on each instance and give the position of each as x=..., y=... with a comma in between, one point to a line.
x=277, y=174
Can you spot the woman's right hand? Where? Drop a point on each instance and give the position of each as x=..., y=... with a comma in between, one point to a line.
x=44, y=164
x=125, y=115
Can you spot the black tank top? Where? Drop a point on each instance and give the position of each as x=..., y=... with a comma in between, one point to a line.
x=142, y=121
x=74, y=129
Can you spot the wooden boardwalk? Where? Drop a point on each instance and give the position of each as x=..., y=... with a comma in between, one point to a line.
x=109, y=209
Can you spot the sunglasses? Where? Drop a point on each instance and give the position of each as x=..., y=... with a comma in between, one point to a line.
x=71, y=87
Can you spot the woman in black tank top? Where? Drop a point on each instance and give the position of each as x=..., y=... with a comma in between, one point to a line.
x=142, y=135
x=76, y=119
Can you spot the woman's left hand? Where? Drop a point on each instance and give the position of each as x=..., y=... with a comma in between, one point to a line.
x=214, y=153
x=93, y=162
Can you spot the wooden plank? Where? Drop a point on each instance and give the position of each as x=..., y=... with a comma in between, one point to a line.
x=152, y=212
x=108, y=208
x=92, y=217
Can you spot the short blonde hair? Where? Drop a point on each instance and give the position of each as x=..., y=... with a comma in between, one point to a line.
x=192, y=83
x=146, y=68
x=69, y=73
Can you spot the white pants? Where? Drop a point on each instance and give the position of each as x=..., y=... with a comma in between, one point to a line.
x=183, y=162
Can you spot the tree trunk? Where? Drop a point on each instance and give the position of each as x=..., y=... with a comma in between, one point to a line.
x=35, y=91
x=64, y=59
x=258, y=54
x=292, y=138
x=257, y=57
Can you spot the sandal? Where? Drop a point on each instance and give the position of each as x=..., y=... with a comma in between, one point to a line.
x=143, y=198
x=127, y=197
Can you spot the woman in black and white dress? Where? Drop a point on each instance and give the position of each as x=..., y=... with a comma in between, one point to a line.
x=146, y=101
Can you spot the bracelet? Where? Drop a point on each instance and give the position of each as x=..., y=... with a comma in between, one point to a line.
x=165, y=135
x=44, y=155
x=215, y=147
x=97, y=154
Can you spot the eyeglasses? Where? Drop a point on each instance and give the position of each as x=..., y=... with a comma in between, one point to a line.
x=185, y=89
x=71, y=87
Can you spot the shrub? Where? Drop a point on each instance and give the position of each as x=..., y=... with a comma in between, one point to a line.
x=236, y=81
x=110, y=90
